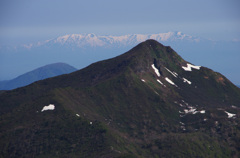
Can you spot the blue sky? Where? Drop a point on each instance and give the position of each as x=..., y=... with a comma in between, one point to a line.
x=30, y=21
x=23, y=21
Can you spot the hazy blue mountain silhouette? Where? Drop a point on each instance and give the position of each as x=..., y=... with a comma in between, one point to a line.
x=41, y=73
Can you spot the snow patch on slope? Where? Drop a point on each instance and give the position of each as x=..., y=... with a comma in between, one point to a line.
x=230, y=115
x=190, y=66
x=173, y=73
x=192, y=110
x=185, y=80
x=189, y=109
x=156, y=70
x=170, y=81
x=49, y=107
x=161, y=82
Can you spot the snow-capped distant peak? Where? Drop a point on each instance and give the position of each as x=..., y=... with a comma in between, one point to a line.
x=179, y=33
x=62, y=39
x=91, y=35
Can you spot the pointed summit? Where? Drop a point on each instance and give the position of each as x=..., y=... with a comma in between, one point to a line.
x=156, y=50
x=150, y=51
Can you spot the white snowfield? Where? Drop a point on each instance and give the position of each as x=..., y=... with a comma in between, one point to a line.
x=190, y=66
x=49, y=107
x=230, y=115
x=156, y=70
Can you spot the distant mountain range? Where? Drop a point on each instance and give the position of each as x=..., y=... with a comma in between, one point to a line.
x=147, y=102
x=80, y=50
x=41, y=73
x=92, y=40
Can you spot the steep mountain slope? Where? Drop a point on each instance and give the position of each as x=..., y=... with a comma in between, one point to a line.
x=148, y=102
x=41, y=73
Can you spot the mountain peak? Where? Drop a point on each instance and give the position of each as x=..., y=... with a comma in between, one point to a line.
x=153, y=50
x=147, y=102
x=91, y=35
x=153, y=42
